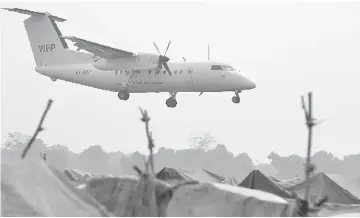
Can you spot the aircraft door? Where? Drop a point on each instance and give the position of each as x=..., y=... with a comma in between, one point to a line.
x=120, y=78
x=189, y=78
x=222, y=75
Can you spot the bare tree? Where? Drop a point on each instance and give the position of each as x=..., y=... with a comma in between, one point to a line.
x=203, y=142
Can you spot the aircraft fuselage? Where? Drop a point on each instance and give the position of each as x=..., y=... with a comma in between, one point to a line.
x=186, y=77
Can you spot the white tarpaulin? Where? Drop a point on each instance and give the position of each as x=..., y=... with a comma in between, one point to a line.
x=214, y=199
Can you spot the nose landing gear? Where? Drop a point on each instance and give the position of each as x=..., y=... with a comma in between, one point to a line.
x=124, y=95
x=171, y=102
x=236, y=99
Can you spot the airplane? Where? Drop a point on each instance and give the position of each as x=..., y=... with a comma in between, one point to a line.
x=107, y=68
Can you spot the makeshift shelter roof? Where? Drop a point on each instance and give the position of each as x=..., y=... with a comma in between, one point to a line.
x=349, y=184
x=257, y=180
x=230, y=181
x=289, y=182
x=274, y=179
x=171, y=174
x=322, y=185
x=201, y=175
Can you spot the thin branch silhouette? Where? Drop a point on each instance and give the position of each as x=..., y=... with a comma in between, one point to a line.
x=39, y=129
x=145, y=118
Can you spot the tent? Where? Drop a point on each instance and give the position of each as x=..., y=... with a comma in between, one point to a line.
x=322, y=185
x=273, y=178
x=202, y=175
x=199, y=174
x=31, y=188
x=349, y=184
x=289, y=182
x=230, y=181
x=171, y=174
x=257, y=180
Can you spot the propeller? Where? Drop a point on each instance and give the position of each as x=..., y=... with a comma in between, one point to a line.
x=163, y=59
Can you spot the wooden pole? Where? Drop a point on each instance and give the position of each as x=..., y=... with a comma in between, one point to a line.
x=309, y=123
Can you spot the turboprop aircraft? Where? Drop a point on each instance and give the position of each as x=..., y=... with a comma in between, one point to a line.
x=120, y=71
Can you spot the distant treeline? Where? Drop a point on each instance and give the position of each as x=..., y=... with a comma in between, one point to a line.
x=217, y=160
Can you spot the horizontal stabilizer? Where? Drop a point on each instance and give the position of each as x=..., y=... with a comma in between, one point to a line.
x=34, y=13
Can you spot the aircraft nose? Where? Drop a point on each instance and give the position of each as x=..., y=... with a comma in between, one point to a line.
x=251, y=84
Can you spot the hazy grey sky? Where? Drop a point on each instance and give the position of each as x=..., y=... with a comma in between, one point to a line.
x=287, y=48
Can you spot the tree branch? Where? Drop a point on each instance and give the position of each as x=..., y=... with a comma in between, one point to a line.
x=39, y=129
x=145, y=118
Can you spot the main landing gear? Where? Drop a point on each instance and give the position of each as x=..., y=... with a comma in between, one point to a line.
x=236, y=99
x=171, y=102
x=124, y=95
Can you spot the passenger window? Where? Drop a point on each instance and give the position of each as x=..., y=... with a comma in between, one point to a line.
x=216, y=67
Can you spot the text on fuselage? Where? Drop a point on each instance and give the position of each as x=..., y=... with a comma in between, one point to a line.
x=82, y=72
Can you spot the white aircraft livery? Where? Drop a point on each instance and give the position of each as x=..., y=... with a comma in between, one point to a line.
x=120, y=71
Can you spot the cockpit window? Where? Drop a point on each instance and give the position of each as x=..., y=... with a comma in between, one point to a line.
x=216, y=67
x=228, y=68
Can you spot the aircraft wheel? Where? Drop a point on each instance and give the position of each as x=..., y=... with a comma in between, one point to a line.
x=171, y=102
x=236, y=99
x=124, y=95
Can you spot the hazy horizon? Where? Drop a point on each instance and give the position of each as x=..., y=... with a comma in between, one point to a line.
x=286, y=48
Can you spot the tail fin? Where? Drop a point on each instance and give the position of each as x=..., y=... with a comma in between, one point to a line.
x=45, y=38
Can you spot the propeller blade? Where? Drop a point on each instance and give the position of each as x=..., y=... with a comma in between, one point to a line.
x=167, y=47
x=158, y=68
x=157, y=48
x=184, y=59
x=167, y=68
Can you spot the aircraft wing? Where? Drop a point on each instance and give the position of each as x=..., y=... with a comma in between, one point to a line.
x=97, y=49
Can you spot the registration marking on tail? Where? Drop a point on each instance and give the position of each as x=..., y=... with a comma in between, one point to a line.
x=47, y=47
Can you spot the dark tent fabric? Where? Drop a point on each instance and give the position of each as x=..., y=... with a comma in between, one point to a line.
x=257, y=180
x=171, y=174
x=322, y=185
x=198, y=174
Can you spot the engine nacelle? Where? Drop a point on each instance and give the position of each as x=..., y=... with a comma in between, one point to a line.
x=104, y=64
x=139, y=62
